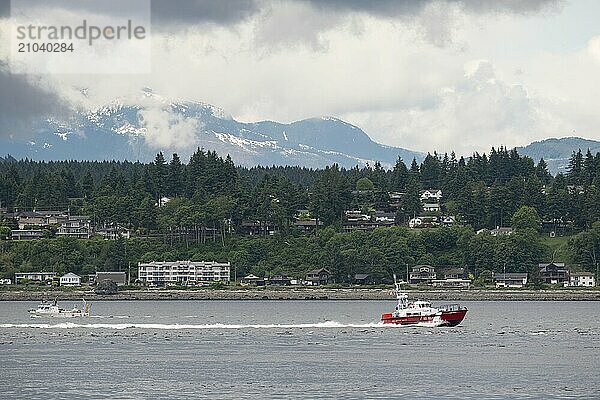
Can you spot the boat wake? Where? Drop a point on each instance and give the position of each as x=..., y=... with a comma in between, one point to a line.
x=326, y=324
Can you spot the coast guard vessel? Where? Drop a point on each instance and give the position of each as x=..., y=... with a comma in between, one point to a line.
x=422, y=313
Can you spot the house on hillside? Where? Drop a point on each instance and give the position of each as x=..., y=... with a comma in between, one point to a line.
x=26, y=234
x=265, y=228
x=307, y=226
x=77, y=226
x=431, y=196
x=114, y=232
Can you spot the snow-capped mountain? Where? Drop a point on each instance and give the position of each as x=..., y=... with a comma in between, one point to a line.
x=137, y=131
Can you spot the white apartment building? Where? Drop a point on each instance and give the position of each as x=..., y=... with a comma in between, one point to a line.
x=161, y=273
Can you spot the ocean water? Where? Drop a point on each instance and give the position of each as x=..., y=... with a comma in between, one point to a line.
x=299, y=349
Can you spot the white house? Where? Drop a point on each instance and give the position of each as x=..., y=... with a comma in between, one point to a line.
x=33, y=276
x=431, y=195
x=582, y=279
x=431, y=207
x=70, y=279
x=415, y=222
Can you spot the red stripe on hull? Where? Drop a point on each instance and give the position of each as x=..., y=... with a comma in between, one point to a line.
x=454, y=317
x=451, y=318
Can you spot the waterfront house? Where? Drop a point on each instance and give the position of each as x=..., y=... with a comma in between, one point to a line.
x=510, y=279
x=554, y=273
x=422, y=274
x=321, y=276
x=120, y=278
x=33, y=276
x=585, y=279
x=451, y=278
x=252, y=280
x=363, y=279
x=280, y=278
x=70, y=279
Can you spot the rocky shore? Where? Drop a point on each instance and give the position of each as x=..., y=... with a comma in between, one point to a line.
x=309, y=294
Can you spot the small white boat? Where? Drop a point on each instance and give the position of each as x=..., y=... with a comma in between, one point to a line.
x=47, y=309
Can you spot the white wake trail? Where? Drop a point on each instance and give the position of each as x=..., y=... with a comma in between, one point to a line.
x=71, y=325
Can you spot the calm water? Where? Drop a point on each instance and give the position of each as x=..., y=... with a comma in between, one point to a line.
x=299, y=349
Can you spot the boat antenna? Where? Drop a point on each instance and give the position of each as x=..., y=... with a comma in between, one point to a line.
x=401, y=297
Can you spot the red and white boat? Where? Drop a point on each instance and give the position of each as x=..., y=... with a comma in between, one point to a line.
x=422, y=313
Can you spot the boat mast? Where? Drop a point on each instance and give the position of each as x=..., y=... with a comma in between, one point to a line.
x=401, y=297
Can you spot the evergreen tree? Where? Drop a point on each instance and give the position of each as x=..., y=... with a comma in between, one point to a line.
x=175, y=177
x=575, y=169
x=399, y=176
x=431, y=172
x=411, y=201
x=541, y=171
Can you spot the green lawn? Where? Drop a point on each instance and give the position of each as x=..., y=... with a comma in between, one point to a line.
x=559, y=247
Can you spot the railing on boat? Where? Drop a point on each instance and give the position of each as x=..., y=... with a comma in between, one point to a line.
x=450, y=307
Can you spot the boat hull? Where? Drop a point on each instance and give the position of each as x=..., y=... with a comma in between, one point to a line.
x=453, y=318
x=67, y=314
x=443, y=318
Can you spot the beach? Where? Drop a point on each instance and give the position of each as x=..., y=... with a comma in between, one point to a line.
x=308, y=294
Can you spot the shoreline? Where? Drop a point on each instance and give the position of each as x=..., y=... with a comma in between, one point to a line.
x=309, y=294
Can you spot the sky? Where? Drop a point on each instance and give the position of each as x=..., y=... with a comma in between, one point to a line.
x=444, y=75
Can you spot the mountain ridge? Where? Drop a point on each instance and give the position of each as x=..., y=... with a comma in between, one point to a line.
x=557, y=151
x=138, y=131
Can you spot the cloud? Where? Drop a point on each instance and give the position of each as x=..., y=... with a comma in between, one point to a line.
x=4, y=8
x=24, y=101
x=416, y=74
x=173, y=13
x=167, y=130
x=478, y=112
x=395, y=8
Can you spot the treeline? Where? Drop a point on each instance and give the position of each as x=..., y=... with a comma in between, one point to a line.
x=482, y=191
x=210, y=198
x=379, y=253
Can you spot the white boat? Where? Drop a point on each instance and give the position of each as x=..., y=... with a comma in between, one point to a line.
x=47, y=309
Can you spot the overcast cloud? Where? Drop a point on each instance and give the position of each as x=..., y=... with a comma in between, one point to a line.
x=431, y=75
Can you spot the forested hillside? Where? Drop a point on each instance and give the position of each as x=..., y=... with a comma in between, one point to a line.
x=209, y=198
